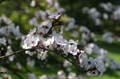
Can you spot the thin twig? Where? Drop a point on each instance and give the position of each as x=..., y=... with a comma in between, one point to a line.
x=5, y=56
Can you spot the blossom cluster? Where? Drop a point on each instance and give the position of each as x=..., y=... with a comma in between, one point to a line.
x=45, y=38
x=8, y=33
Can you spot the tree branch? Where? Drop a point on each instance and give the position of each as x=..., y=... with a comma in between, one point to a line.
x=17, y=52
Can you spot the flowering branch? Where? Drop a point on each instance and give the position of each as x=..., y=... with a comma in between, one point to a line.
x=47, y=36
x=55, y=41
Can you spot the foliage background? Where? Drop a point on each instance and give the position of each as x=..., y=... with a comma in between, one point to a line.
x=15, y=10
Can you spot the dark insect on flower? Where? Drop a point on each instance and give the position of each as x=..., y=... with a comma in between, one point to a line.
x=56, y=19
x=57, y=23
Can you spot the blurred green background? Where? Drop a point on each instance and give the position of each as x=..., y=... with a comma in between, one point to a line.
x=15, y=10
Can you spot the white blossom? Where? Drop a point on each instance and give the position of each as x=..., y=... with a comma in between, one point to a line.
x=108, y=37
x=31, y=76
x=4, y=19
x=72, y=47
x=102, y=54
x=10, y=51
x=16, y=31
x=43, y=77
x=11, y=29
x=94, y=13
x=75, y=34
x=98, y=22
x=118, y=39
x=83, y=60
x=44, y=27
x=60, y=42
x=114, y=65
x=107, y=6
x=50, y=2
x=48, y=43
x=91, y=48
x=72, y=75
x=116, y=14
x=3, y=41
x=84, y=29
x=99, y=65
x=42, y=14
x=42, y=54
x=31, y=40
x=61, y=74
x=6, y=76
x=55, y=16
x=34, y=21
x=105, y=16
x=66, y=63
x=30, y=53
x=33, y=3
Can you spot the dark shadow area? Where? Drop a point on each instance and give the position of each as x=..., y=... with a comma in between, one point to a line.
x=74, y=9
